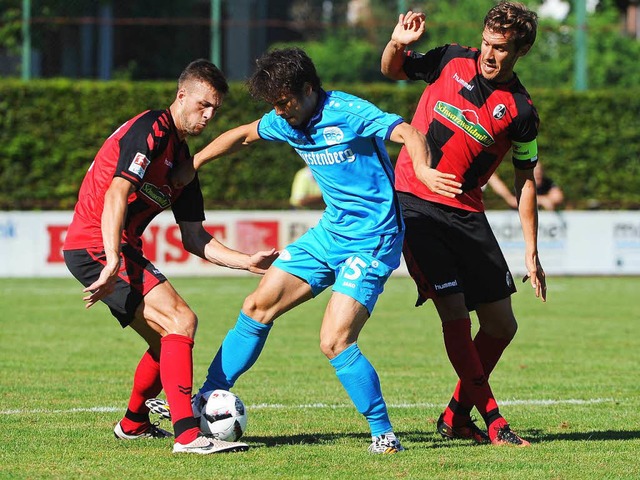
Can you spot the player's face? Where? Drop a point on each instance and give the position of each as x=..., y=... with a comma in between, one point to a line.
x=296, y=109
x=498, y=55
x=199, y=103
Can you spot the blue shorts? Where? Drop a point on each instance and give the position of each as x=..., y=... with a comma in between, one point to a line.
x=358, y=268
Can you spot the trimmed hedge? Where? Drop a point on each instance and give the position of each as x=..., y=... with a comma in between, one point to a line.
x=51, y=130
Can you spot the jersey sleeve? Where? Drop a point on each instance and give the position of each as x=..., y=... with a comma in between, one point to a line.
x=141, y=144
x=426, y=66
x=272, y=127
x=367, y=120
x=523, y=133
x=189, y=206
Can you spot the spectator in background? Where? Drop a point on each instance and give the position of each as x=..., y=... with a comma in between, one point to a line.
x=549, y=195
x=305, y=192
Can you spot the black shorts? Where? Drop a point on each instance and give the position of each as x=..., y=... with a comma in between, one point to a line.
x=449, y=250
x=136, y=278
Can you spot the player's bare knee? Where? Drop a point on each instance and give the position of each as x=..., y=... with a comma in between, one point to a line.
x=256, y=310
x=182, y=321
x=332, y=346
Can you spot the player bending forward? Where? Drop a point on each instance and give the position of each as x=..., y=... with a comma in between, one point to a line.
x=126, y=186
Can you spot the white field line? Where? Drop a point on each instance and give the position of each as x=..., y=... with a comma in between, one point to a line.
x=279, y=406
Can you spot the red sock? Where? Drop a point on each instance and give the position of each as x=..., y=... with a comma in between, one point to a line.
x=465, y=360
x=489, y=350
x=146, y=384
x=176, y=370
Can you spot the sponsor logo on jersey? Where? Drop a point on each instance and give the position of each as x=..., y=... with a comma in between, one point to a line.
x=332, y=135
x=168, y=163
x=139, y=164
x=327, y=157
x=499, y=111
x=466, y=120
x=509, y=280
x=462, y=82
x=155, y=194
x=285, y=255
x=443, y=286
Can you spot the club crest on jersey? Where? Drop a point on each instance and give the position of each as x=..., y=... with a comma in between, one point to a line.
x=332, y=135
x=466, y=120
x=156, y=194
x=139, y=164
x=499, y=111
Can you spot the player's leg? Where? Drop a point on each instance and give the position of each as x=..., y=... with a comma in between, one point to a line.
x=277, y=293
x=497, y=328
x=123, y=303
x=146, y=385
x=359, y=282
x=464, y=357
x=487, y=286
x=434, y=249
x=341, y=325
x=168, y=314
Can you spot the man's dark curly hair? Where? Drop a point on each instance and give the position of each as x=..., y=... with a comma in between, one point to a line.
x=282, y=72
x=514, y=18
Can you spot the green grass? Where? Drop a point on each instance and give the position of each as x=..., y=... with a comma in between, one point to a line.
x=58, y=361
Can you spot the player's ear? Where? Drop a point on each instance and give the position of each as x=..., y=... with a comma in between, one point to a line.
x=523, y=50
x=181, y=94
x=307, y=89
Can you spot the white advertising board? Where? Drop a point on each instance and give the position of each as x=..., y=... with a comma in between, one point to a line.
x=570, y=243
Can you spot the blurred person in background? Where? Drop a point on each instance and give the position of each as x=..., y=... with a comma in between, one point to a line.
x=305, y=191
x=473, y=112
x=548, y=194
x=126, y=186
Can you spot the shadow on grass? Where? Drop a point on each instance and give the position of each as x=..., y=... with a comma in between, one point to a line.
x=418, y=439
x=429, y=440
x=537, y=436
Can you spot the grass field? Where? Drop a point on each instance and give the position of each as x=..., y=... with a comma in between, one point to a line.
x=569, y=383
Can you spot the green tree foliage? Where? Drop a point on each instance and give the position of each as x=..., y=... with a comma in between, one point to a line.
x=50, y=130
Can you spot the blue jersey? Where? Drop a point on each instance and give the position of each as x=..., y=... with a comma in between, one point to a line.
x=343, y=144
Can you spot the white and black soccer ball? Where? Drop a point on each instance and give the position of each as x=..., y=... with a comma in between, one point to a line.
x=224, y=416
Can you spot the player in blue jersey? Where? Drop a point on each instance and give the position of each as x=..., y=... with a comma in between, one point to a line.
x=357, y=242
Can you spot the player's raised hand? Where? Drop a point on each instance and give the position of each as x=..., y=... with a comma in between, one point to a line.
x=183, y=174
x=444, y=184
x=536, y=274
x=410, y=28
x=262, y=260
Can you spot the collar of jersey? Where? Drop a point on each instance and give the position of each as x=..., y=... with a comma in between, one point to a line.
x=317, y=114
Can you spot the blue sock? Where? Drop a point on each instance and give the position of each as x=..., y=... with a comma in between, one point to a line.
x=361, y=382
x=238, y=352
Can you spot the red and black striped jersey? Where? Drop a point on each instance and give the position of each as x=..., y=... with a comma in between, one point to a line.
x=143, y=150
x=470, y=123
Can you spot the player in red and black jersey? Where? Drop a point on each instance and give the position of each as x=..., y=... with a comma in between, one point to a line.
x=473, y=112
x=126, y=186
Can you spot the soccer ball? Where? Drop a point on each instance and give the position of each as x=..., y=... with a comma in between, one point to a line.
x=224, y=416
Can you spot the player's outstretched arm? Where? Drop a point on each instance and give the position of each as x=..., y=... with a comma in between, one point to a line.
x=410, y=28
x=438, y=182
x=228, y=142
x=198, y=241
